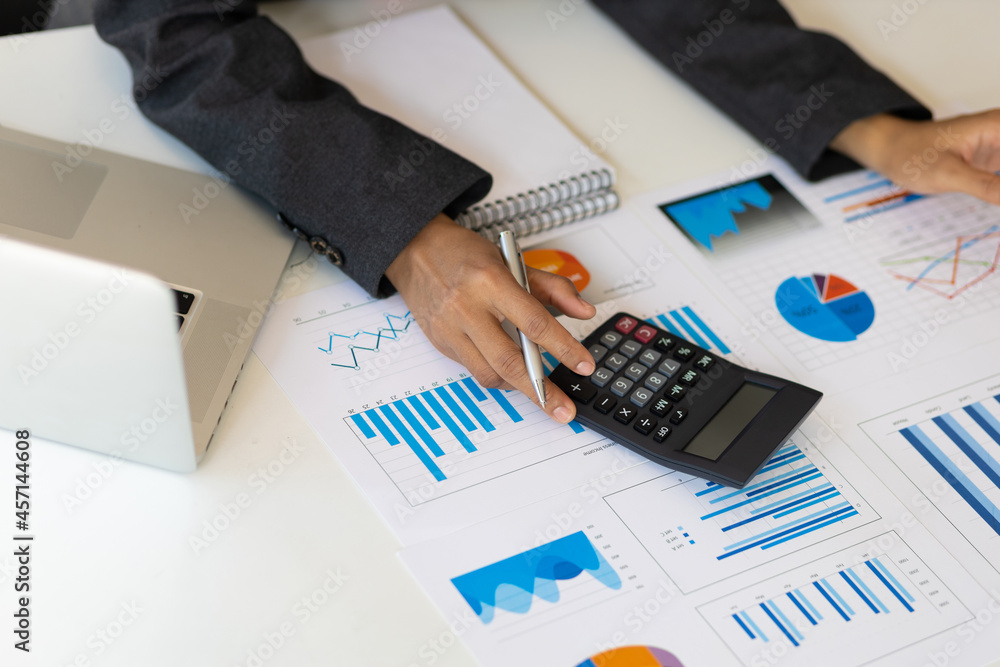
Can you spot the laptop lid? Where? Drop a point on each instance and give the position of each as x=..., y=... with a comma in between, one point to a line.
x=90, y=356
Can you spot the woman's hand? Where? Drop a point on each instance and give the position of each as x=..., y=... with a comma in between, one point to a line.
x=958, y=154
x=459, y=290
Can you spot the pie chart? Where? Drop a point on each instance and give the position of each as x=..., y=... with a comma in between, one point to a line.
x=633, y=656
x=826, y=307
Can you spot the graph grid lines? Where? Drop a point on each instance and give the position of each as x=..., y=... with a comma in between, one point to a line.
x=427, y=421
x=794, y=484
x=365, y=340
x=965, y=455
x=872, y=585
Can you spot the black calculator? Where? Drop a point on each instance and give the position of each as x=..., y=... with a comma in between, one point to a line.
x=683, y=406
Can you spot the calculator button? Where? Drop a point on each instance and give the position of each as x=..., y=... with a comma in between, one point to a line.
x=655, y=381
x=662, y=407
x=690, y=377
x=669, y=367
x=644, y=334
x=625, y=325
x=665, y=343
x=602, y=376
x=598, y=352
x=676, y=392
x=615, y=362
x=630, y=348
x=641, y=396
x=650, y=358
x=625, y=413
x=661, y=433
x=611, y=339
x=581, y=391
x=704, y=362
x=621, y=386
x=678, y=415
x=645, y=425
x=684, y=352
x=605, y=404
x=635, y=372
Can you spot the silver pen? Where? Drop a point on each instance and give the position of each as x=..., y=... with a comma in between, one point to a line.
x=532, y=358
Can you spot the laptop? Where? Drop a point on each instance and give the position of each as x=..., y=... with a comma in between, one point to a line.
x=129, y=290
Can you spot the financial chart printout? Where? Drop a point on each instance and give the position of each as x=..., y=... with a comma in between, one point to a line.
x=839, y=275
x=418, y=433
x=432, y=447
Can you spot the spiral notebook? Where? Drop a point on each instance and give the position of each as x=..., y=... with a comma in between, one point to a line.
x=428, y=70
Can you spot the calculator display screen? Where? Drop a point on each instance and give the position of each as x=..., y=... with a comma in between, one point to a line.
x=730, y=421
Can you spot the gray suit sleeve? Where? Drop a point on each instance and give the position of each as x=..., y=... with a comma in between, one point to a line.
x=793, y=89
x=234, y=87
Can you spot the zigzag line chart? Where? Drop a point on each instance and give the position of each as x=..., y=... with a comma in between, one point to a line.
x=950, y=266
x=395, y=326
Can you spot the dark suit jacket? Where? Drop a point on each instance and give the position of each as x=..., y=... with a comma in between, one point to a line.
x=234, y=87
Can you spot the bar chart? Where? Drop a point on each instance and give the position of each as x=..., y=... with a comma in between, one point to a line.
x=797, y=499
x=871, y=197
x=857, y=604
x=957, y=450
x=458, y=433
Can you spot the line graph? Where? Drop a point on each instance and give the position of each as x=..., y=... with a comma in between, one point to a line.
x=391, y=331
x=949, y=266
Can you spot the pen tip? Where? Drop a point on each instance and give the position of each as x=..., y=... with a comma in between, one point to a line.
x=540, y=390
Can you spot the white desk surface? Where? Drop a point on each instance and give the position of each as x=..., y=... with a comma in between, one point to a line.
x=127, y=545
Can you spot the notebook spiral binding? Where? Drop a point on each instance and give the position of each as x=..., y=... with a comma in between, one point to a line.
x=527, y=205
x=551, y=218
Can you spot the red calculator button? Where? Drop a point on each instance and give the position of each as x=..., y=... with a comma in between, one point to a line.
x=625, y=325
x=644, y=334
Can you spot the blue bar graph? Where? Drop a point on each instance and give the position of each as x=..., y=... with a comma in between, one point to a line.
x=686, y=323
x=796, y=612
x=952, y=473
x=425, y=422
x=790, y=498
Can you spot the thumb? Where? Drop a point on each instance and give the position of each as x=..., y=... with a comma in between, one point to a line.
x=956, y=175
